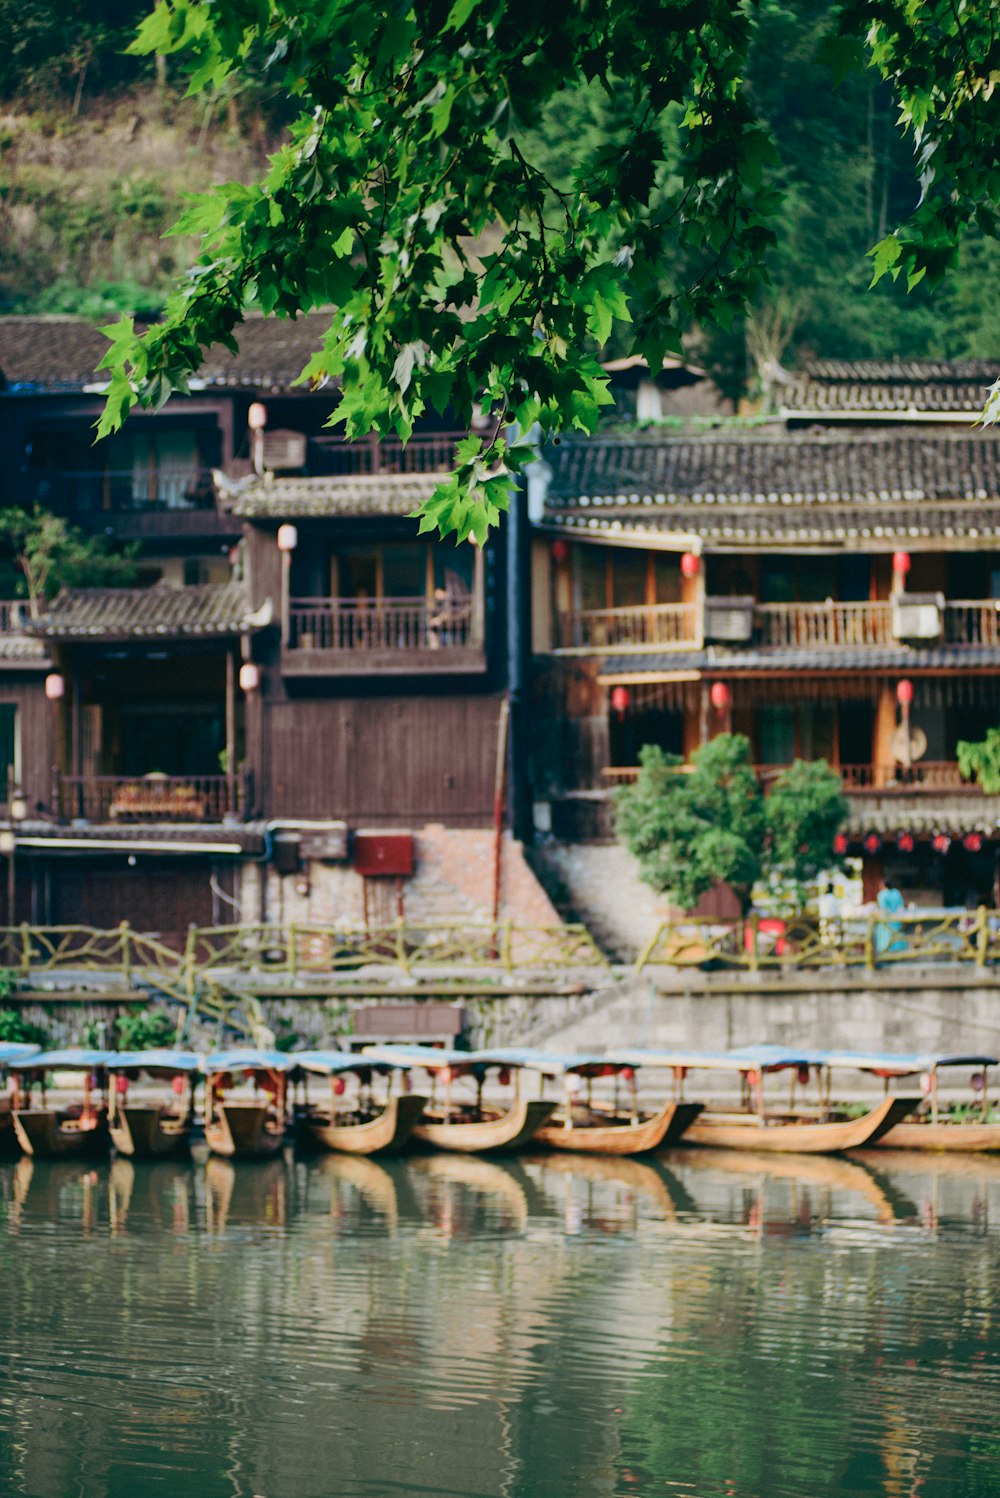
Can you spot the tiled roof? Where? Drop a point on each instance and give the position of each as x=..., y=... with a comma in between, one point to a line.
x=208, y=609
x=62, y=353
x=361, y=494
x=889, y=816
x=746, y=489
x=245, y=837
x=875, y=388
x=23, y=650
x=718, y=661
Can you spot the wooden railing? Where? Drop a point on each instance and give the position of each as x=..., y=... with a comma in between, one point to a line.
x=972, y=623
x=13, y=616
x=148, y=798
x=801, y=625
x=405, y=624
x=924, y=775
x=869, y=940
x=425, y=452
x=661, y=626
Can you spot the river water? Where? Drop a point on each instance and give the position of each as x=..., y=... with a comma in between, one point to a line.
x=711, y=1325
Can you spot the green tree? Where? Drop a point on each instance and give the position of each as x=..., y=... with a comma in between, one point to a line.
x=981, y=758
x=692, y=827
x=51, y=554
x=16, y=1029
x=803, y=813
x=459, y=275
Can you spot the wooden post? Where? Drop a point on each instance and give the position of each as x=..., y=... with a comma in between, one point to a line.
x=982, y=936
x=190, y=958
x=126, y=948
x=870, y=940
x=230, y=732
x=752, y=952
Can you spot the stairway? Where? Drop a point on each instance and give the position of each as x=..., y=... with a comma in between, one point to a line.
x=599, y=884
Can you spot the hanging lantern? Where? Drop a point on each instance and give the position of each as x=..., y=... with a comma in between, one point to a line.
x=560, y=551
x=257, y=416
x=177, y=1083
x=802, y=1076
x=871, y=844
x=121, y=1085
x=339, y=1086
x=926, y=1083
x=719, y=696
x=941, y=842
x=619, y=700
x=972, y=843
x=905, y=842
x=288, y=538
x=503, y=1076
x=901, y=563
x=690, y=565
x=840, y=844
x=904, y=692
x=55, y=686
x=249, y=676
x=628, y=1074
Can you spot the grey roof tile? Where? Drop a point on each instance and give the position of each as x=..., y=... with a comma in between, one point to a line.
x=350, y=495
x=209, y=609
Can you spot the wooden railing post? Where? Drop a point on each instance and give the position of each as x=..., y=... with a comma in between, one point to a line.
x=190, y=960
x=870, y=940
x=25, y=948
x=982, y=935
x=126, y=949
x=402, y=956
x=751, y=929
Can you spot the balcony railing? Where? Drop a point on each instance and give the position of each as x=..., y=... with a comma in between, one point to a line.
x=426, y=452
x=775, y=626
x=13, y=616
x=390, y=626
x=88, y=493
x=935, y=776
x=660, y=626
x=148, y=798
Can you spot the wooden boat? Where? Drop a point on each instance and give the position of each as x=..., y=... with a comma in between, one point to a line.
x=365, y=1126
x=607, y=1128
x=932, y=1127
x=754, y=1126
x=247, y=1128
x=473, y=1126
x=155, y=1130
x=10, y=1052
x=80, y=1129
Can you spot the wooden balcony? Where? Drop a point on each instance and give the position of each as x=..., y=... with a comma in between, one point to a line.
x=661, y=626
x=776, y=626
x=352, y=636
x=425, y=452
x=934, y=777
x=148, y=798
x=13, y=616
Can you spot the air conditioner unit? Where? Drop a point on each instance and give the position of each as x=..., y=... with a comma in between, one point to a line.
x=917, y=616
x=283, y=450
x=729, y=621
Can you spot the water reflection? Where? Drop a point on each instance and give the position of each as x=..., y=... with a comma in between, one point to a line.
x=548, y=1326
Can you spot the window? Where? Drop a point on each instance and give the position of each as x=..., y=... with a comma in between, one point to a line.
x=10, y=758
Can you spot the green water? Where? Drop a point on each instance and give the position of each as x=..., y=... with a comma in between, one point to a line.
x=461, y=1328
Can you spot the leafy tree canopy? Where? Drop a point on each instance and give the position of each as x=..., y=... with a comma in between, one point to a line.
x=981, y=758
x=694, y=827
x=459, y=275
x=51, y=554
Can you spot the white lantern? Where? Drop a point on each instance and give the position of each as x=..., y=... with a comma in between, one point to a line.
x=55, y=686
x=249, y=676
x=288, y=538
x=257, y=416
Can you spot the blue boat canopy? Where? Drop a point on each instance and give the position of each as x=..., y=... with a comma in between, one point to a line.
x=248, y=1060
x=12, y=1050
x=894, y=1064
x=77, y=1059
x=333, y=1063
x=430, y=1058
x=550, y=1064
x=160, y=1061
x=763, y=1058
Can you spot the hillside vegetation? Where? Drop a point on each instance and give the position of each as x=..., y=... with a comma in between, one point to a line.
x=98, y=148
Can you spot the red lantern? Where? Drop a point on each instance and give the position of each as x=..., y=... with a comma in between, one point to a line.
x=802, y=1076
x=901, y=563
x=871, y=844
x=560, y=551
x=619, y=700
x=628, y=1074
x=177, y=1083
x=719, y=696
x=840, y=844
x=904, y=692
x=905, y=842
x=690, y=565
x=941, y=842
x=503, y=1076
x=339, y=1087
x=972, y=843
x=121, y=1085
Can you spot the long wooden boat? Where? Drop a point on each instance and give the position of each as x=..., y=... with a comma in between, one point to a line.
x=604, y=1128
x=247, y=1129
x=754, y=1126
x=155, y=1130
x=11, y=1052
x=467, y=1126
x=933, y=1127
x=366, y=1126
x=80, y=1129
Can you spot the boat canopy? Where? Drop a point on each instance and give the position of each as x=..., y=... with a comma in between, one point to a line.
x=894, y=1064
x=333, y=1063
x=76, y=1059
x=551, y=1065
x=11, y=1051
x=157, y=1062
x=430, y=1058
x=762, y=1058
x=248, y=1060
